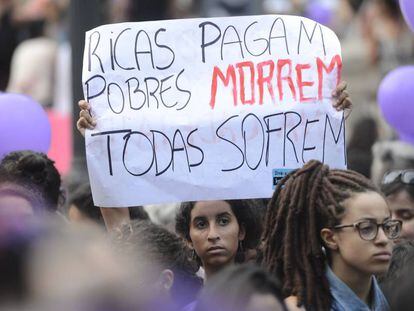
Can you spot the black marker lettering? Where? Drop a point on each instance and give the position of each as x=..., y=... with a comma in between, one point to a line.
x=203, y=38
x=164, y=47
x=229, y=141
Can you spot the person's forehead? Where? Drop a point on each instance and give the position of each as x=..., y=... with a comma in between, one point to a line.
x=400, y=197
x=13, y=204
x=16, y=188
x=210, y=208
x=366, y=205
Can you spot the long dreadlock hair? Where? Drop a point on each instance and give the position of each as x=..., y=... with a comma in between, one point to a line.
x=304, y=202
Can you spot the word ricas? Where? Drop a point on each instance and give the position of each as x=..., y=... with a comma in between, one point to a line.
x=146, y=53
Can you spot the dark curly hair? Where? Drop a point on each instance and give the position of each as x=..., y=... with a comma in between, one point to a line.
x=248, y=215
x=163, y=248
x=37, y=168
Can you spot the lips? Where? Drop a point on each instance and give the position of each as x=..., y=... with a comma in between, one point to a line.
x=215, y=249
x=383, y=256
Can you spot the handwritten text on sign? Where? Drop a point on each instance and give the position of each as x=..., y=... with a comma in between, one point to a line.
x=208, y=108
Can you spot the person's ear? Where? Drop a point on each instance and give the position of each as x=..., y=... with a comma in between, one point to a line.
x=166, y=280
x=329, y=238
x=242, y=233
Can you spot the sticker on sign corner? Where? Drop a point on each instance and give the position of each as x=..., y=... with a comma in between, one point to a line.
x=278, y=174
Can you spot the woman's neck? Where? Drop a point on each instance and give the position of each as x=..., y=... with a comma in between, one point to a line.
x=210, y=270
x=357, y=281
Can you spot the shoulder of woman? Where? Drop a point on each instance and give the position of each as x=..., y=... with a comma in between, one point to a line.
x=292, y=304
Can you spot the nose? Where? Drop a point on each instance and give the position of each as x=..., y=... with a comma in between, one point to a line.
x=381, y=238
x=394, y=215
x=213, y=234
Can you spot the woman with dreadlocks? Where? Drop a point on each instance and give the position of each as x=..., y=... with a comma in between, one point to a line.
x=327, y=234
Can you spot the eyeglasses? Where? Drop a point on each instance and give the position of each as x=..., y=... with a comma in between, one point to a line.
x=404, y=176
x=368, y=230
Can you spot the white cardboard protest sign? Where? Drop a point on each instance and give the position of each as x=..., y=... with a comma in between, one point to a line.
x=204, y=109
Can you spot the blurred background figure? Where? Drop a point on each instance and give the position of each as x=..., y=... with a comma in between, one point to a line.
x=374, y=37
x=398, y=285
x=398, y=187
x=19, y=199
x=390, y=155
x=243, y=288
x=360, y=146
x=80, y=208
x=49, y=265
x=166, y=272
x=8, y=41
x=36, y=168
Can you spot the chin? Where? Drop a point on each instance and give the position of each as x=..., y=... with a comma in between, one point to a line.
x=379, y=269
x=218, y=261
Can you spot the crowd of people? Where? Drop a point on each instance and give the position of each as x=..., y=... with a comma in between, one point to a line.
x=328, y=239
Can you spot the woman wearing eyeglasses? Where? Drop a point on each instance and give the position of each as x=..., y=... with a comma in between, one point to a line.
x=327, y=234
x=398, y=187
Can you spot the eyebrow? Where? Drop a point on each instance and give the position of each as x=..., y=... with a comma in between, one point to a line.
x=373, y=219
x=199, y=218
x=223, y=214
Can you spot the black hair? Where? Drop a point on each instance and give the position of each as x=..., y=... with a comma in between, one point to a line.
x=82, y=199
x=247, y=213
x=138, y=213
x=402, y=255
x=168, y=251
x=304, y=202
x=148, y=10
x=39, y=170
x=399, y=283
x=13, y=257
x=359, y=150
x=232, y=288
x=392, y=8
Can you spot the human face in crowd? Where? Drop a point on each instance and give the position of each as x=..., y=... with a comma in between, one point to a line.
x=354, y=254
x=402, y=208
x=215, y=233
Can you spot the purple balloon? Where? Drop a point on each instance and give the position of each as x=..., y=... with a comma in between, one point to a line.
x=406, y=138
x=24, y=124
x=319, y=13
x=396, y=99
x=407, y=9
